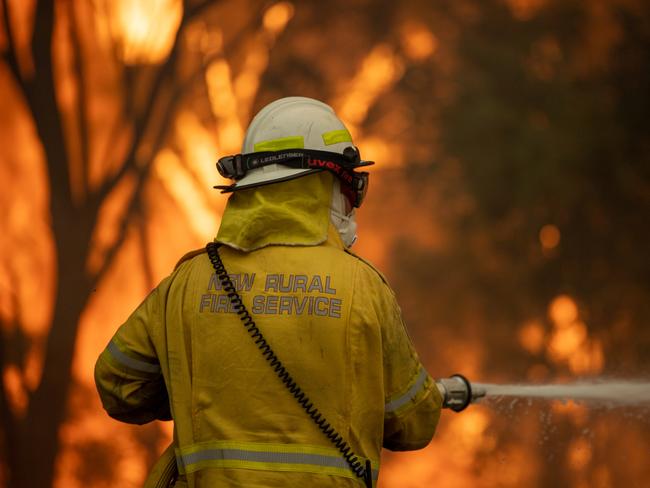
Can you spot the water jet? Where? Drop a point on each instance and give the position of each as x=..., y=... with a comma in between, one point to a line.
x=458, y=392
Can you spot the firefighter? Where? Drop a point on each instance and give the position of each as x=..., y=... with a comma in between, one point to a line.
x=349, y=381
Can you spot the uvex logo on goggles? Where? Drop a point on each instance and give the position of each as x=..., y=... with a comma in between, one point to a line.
x=354, y=184
x=333, y=167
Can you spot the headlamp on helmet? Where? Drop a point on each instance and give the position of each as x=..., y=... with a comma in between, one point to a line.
x=354, y=184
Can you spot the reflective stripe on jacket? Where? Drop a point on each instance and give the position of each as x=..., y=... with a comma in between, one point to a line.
x=332, y=320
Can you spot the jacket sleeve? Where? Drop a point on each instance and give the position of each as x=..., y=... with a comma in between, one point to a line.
x=412, y=401
x=128, y=374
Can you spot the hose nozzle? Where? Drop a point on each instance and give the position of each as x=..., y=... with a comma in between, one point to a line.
x=457, y=392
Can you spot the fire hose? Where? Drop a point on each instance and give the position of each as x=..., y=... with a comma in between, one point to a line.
x=457, y=392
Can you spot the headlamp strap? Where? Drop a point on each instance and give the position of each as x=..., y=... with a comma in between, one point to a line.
x=341, y=165
x=235, y=167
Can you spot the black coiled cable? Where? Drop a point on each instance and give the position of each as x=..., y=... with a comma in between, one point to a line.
x=325, y=427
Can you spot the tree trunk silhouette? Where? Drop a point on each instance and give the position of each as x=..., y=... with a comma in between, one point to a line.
x=31, y=443
x=35, y=439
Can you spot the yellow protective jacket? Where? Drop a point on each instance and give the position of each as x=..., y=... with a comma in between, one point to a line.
x=330, y=317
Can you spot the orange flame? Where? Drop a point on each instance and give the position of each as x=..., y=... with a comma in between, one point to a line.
x=144, y=29
x=15, y=388
x=276, y=17
x=549, y=236
x=418, y=42
x=569, y=342
x=468, y=450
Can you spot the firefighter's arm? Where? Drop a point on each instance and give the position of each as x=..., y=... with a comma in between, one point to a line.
x=412, y=403
x=128, y=375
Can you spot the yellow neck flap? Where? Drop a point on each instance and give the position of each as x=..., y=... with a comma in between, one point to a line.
x=290, y=213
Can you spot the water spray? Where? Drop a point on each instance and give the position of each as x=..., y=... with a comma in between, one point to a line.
x=458, y=393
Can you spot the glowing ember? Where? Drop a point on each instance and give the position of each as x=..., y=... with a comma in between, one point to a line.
x=525, y=9
x=563, y=311
x=531, y=337
x=549, y=236
x=418, y=42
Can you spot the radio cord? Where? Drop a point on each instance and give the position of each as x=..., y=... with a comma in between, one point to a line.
x=325, y=427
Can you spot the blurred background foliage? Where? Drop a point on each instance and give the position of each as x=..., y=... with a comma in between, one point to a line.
x=509, y=207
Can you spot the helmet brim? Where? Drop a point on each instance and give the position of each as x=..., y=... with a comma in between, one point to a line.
x=259, y=178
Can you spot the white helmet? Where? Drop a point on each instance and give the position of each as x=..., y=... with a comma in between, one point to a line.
x=294, y=137
x=292, y=123
x=298, y=123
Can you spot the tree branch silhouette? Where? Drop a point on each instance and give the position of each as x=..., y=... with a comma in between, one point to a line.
x=11, y=55
x=175, y=100
x=73, y=222
x=9, y=420
x=143, y=121
x=82, y=87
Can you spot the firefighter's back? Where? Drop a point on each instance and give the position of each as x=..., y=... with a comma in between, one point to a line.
x=237, y=424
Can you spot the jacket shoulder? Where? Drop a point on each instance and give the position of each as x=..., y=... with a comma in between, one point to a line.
x=367, y=264
x=188, y=256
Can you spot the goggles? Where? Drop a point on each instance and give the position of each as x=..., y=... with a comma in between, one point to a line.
x=354, y=184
